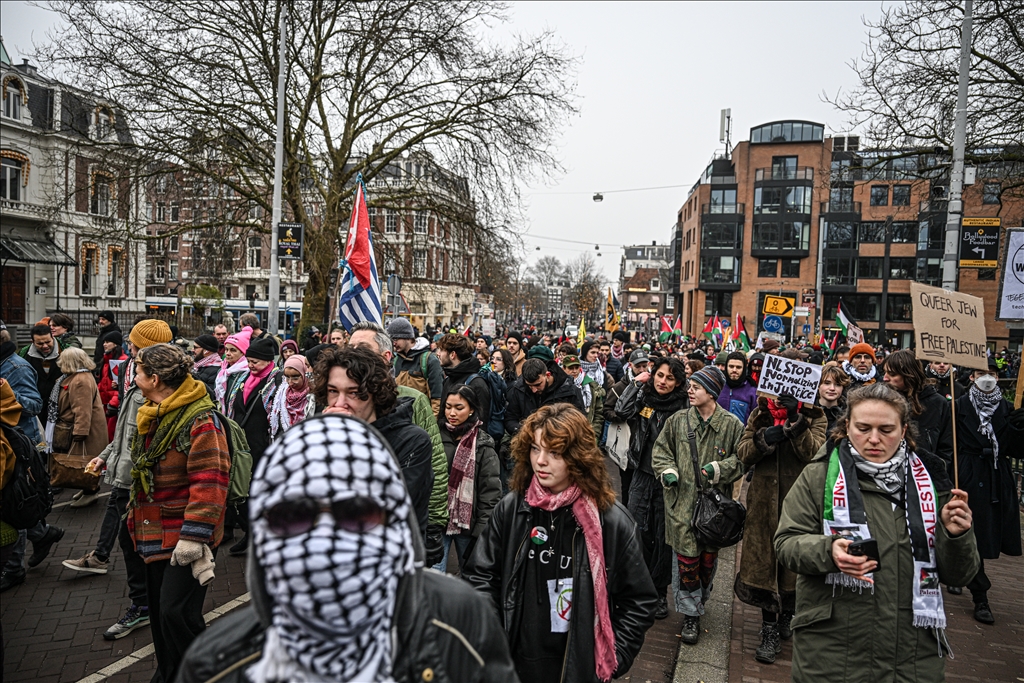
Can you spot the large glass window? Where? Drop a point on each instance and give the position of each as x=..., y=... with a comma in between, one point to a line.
x=783, y=199
x=765, y=236
x=717, y=302
x=10, y=179
x=90, y=266
x=721, y=236
x=768, y=199
x=723, y=201
x=12, y=99
x=390, y=221
x=901, y=195
x=795, y=235
x=898, y=308
x=790, y=267
x=768, y=267
x=990, y=193
x=929, y=271
x=783, y=168
x=861, y=307
x=838, y=271
x=872, y=232
x=931, y=233
x=798, y=199
x=841, y=235
x=787, y=131
x=902, y=268
x=419, y=263
x=101, y=192
x=420, y=223
x=870, y=267
x=904, y=232
x=255, y=256
x=720, y=269
x=879, y=195
x=841, y=199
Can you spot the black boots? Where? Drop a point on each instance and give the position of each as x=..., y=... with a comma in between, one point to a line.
x=662, y=611
x=691, y=629
x=983, y=613
x=771, y=644
x=785, y=631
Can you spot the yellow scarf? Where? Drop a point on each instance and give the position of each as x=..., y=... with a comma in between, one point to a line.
x=190, y=391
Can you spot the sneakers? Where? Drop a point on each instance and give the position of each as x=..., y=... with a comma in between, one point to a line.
x=90, y=564
x=785, y=630
x=42, y=547
x=691, y=629
x=771, y=644
x=9, y=580
x=239, y=548
x=662, y=611
x=135, y=617
x=983, y=613
x=84, y=500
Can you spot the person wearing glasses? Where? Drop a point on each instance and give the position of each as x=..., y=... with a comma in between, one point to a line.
x=335, y=571
x=178, y=497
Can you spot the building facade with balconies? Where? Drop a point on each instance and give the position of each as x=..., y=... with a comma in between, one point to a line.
x=69, y=207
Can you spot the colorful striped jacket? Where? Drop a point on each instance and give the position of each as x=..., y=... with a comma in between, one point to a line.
x=190, y=491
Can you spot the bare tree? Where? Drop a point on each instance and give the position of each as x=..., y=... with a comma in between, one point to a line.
x=369, y=84
x=908, y=75
x=547, y=270
x=587, y=284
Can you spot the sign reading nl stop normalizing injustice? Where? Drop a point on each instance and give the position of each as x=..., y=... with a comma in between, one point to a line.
x=949, y=326
x=785, y=376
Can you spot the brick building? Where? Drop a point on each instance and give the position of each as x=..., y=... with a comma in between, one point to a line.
x=795, y=213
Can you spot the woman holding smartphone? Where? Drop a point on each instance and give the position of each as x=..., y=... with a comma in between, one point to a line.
x=872, y=528
x=560, y=560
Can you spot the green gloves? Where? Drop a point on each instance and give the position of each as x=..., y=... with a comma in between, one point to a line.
x=670, y=480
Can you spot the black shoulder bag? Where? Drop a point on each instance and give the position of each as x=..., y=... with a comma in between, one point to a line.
x=717, y=519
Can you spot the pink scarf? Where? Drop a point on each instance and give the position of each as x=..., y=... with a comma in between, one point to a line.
x=296, y=398
x=585, y=511
x=462, y=480
x=252, y=380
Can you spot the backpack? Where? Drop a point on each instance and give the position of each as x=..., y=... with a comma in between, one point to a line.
x=420, y=382
x=241, y=459
x=496, y=385
x=26, y=497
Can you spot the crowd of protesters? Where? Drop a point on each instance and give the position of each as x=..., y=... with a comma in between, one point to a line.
x=382, y=459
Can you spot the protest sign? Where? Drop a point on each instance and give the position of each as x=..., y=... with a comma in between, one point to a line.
x=949, y=326
x=785, y=376
x=1010, y=304
x=854, y=335
x=488, y=327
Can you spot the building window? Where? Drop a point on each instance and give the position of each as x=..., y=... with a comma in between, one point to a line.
x=173, y=241
x=984, y=274
x=161, y=212
x=175, y=213
x=172, y=269
x=790, y=267
x=633, y=298
x=840, y=199
x=390, y=221
x=990, y=193
x=13, y=96
x=902, y=268
x=838, y=271
x=901, y=195
x=161, y=272
x=717, y=302
x=768, y=267
x=419, y=263
x=456, y=269
x=655, y=285
x=90, y=267
x=103, y=120
x=861, y=307
x=10, y=179
x=102, y=193
x=787, y=131
x=720, y=236
x=929, y=271
x=720, y=269
x=419, y=224
x=723, y=201
x=197, y=256
x=767, y=199
x=255, y=255
x=879, y=195
x=250, y=292
x=897, y=309
x=783, y=168
x=841, y=235
x=869, y=267
x=115, y=271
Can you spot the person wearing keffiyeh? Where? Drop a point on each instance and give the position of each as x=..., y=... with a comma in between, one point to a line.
x=293, y=401
x=989, y=434
x=859, y=620
x=233, y=369
x=338, y=589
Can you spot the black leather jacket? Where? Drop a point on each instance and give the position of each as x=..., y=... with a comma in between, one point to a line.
x=643, y=431
x=444, y=633
x=497, y=568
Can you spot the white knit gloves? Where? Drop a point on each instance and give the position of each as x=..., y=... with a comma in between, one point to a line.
x=196, y=554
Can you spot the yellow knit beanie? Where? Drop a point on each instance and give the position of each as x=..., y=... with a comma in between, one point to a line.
x=149, y=332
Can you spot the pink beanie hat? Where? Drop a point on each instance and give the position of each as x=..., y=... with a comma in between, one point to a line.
x=240, y=339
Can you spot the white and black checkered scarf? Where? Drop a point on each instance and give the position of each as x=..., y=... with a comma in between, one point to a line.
x=333, y=591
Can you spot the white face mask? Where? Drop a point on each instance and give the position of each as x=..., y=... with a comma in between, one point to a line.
x=985, y=383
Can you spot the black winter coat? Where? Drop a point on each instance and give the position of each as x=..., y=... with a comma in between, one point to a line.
x=934, y=425
x=97, y=354
x=444, y=634
x=208, y=376
x=522, y=402
x=454, y=378
x=643, y=429
x=991, y=491
x=414, y=449
x=613, y=397
x=252, y=417
x=497, y=568
x=614, y=368
x=487, y=483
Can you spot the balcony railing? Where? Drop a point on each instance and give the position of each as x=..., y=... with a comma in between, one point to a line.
x=839, y=280
x=840, y=207
x=723, y=180
x=15, y=206
x=775, y=173
x=738, y=208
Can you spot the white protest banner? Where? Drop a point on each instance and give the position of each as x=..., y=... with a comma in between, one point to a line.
x=1010, y=304
x=949, y=326
x=487, y=327
x=785, y=376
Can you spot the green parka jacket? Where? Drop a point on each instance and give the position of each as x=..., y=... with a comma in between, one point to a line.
x=716, y=445
x=864, y=636
x=423, y=417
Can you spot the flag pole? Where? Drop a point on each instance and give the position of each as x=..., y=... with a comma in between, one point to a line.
x=274, y=284
x=952, y=412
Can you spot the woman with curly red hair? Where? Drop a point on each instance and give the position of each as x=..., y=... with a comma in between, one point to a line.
x=560, y=560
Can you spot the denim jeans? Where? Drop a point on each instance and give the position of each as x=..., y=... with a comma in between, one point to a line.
x=115, y=527
x=462, y=546
x=16, y=562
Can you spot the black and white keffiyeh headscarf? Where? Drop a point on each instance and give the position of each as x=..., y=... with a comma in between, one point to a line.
x=333, y=591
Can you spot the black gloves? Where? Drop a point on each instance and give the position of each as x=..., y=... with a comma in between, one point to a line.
x=791, y=405
x=774, y=435
x=433, y=545
x=1016, y=418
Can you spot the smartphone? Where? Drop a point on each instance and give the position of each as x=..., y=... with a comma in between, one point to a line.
x=867, y=548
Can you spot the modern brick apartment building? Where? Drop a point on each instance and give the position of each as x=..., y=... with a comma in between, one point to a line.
x=795, y=213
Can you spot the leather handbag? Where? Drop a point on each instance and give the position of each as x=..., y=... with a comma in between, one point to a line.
x=63, y=434
x=717, y=519
x=67, y=470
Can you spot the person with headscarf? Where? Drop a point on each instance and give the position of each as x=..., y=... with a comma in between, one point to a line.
x=233, y=370
x=289, y=347
x=738, y=395
x=560, y=560
x=601, y=383
x=989, y=433
x=293, y=401
x=338, y=589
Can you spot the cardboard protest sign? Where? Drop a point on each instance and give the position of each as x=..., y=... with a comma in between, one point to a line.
x=854, y=335
x=949, y=326
x=785, y=376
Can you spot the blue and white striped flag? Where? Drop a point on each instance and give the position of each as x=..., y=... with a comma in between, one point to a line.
x=360, y=286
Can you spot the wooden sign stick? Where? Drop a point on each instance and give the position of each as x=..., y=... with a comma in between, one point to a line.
x=952, y=412
x=1020, y=387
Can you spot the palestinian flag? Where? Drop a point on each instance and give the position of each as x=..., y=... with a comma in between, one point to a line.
x=843, y=321
x=717, y=331
x=677, y=329
x=666, y=329
x=739, y=333
x=709, y=329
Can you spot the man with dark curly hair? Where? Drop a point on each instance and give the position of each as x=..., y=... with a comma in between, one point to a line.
x=356, y=381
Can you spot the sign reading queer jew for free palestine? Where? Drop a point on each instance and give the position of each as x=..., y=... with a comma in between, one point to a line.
x=949, y=326
x=786, y=376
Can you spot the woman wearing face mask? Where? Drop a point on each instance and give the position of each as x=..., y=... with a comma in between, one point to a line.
x=832, y=392
x=336, y=592
x=857, y=619
x=988, y=433
x=929, y=410
x=474, y=484
x=233, y=369
x=646, y=404
x=559, y=559
x=294, y=401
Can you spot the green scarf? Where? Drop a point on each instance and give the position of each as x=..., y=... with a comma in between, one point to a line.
x=169, y=428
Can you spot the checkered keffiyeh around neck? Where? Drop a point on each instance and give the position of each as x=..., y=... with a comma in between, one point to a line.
x=333, y=591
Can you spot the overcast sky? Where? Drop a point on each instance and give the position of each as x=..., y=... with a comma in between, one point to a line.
x=653, y=79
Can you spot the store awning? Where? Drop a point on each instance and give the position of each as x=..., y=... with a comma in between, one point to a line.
x=33, y=251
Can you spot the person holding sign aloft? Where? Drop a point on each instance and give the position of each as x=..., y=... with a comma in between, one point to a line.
x=989, y=433
x=871, y=528
x=781, y=437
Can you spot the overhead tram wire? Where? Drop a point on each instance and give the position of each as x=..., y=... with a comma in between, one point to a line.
x=599, y=196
